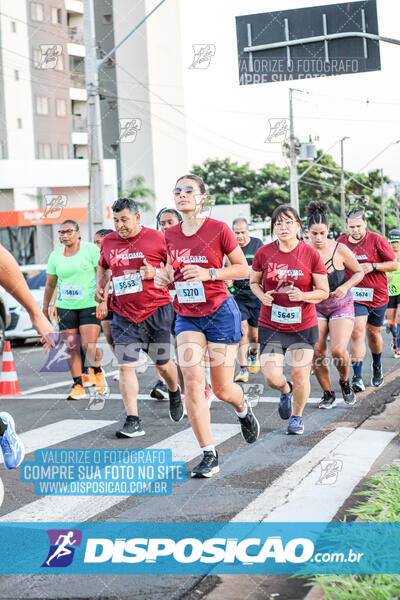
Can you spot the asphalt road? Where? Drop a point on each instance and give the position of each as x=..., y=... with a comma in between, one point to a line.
x=246, y=472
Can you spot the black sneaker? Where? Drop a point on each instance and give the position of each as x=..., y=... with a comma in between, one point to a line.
x=208, y=466
x=328, y=400
x=159, y=391
x=348, y=394
x=357, y=384
x=377, y=376
x=250, y=426
x=131, y=428
x=176, y=408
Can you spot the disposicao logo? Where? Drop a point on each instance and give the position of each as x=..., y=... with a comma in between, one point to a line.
x=63, y=543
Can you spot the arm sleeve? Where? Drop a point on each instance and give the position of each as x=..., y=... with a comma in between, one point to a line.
x=95, y=255
x=317, y=264
x=228, y=240
x=51, y=267
x=257, y=261
x=384, y=249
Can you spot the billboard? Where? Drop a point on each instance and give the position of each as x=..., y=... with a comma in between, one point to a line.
x=305, y=43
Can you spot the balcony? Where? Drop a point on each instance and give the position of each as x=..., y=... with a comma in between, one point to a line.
x=78, y=79
x=75, y=35
x=74, y=6
x=79, y=123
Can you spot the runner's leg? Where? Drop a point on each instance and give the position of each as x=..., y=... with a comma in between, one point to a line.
x=320, y=358
x=340, y=334
x=301, y=366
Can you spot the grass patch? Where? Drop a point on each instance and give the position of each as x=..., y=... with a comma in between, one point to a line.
x=382, y=505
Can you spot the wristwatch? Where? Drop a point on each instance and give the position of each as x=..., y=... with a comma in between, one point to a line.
x=213, y=274
x=374, y=266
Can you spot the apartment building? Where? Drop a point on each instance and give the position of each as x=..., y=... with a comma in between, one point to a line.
x=43, y=113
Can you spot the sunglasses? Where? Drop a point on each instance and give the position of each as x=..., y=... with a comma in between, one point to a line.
x=188, y=189
x=67, y=232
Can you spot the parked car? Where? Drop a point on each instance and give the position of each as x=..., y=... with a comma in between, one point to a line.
x=20, y=326
x=5, y=317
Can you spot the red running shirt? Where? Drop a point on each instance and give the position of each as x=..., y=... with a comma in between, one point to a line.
x=372, y=248
x=134, y=298
x=281, y=271
x=205, y=248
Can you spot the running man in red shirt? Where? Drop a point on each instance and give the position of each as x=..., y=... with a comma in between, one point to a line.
x=208, y=318
x=376, y=257
x=289, y=278
x=142, y=314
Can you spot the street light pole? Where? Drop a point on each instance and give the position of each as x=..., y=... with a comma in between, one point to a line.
x=342, y=188
x=95, y=142
x=294, y=198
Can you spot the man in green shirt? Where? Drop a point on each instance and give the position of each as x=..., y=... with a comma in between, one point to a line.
x=393, y=308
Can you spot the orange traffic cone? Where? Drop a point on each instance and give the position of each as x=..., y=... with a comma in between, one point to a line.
x=8, y=377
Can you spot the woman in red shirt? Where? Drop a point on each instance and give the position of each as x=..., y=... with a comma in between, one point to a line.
x=289, y=278
x=208, y=318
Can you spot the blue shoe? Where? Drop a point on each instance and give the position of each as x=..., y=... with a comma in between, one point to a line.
x=285, y=403
x=11, y=444
x=296, y=426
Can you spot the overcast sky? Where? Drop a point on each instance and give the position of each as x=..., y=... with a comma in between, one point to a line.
x=226, y=119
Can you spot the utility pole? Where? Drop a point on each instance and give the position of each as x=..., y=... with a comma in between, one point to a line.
x=294, y=196
x=382, y=207
x=342, y=188
x=92, y=66
x=95, y=141
x=396, y=204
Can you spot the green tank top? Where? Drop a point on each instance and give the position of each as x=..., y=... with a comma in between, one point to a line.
x=394, y=283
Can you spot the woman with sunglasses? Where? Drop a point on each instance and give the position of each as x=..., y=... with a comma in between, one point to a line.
x=208, y=318
x=289, y=278
x=72, y=269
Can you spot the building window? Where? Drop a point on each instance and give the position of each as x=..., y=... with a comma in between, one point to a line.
x=37, y=11
x=37, y=58
x=16, y=75
x=2, y=150
x=44, y=150
x=63, y=151
x=112, y=104
x=107, y=19
x=61, y=107
x=19, y=123
x=56, y=16
x=42, y=105
x=13, y=27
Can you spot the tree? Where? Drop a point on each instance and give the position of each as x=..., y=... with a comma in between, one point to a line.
x=268, y=187
x=137, y=190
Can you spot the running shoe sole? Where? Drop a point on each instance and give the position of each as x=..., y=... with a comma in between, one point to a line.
x=158, y=394
x=213, y=471
x=121, y=434
x=295, y=432
x=258, y=430
x=81, y=397
x=10, y=421
x=327, y=406
x=358, y=388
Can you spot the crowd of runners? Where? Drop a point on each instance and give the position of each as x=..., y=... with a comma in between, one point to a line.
x=203, y=300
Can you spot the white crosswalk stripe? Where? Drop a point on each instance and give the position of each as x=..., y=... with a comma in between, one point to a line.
x=82, y=508
x=60, y=431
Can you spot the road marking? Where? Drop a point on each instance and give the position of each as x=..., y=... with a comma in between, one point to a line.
x=55, y=433
x=81, y=508
x=262, y=400
x=357, y=453
x=295, y=495
x=51, y=386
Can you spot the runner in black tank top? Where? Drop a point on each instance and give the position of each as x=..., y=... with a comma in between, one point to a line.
x=336, y=313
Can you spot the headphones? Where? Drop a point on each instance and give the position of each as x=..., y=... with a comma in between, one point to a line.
x=169, y=210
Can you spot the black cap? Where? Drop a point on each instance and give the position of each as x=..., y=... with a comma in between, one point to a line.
x=394, y=235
